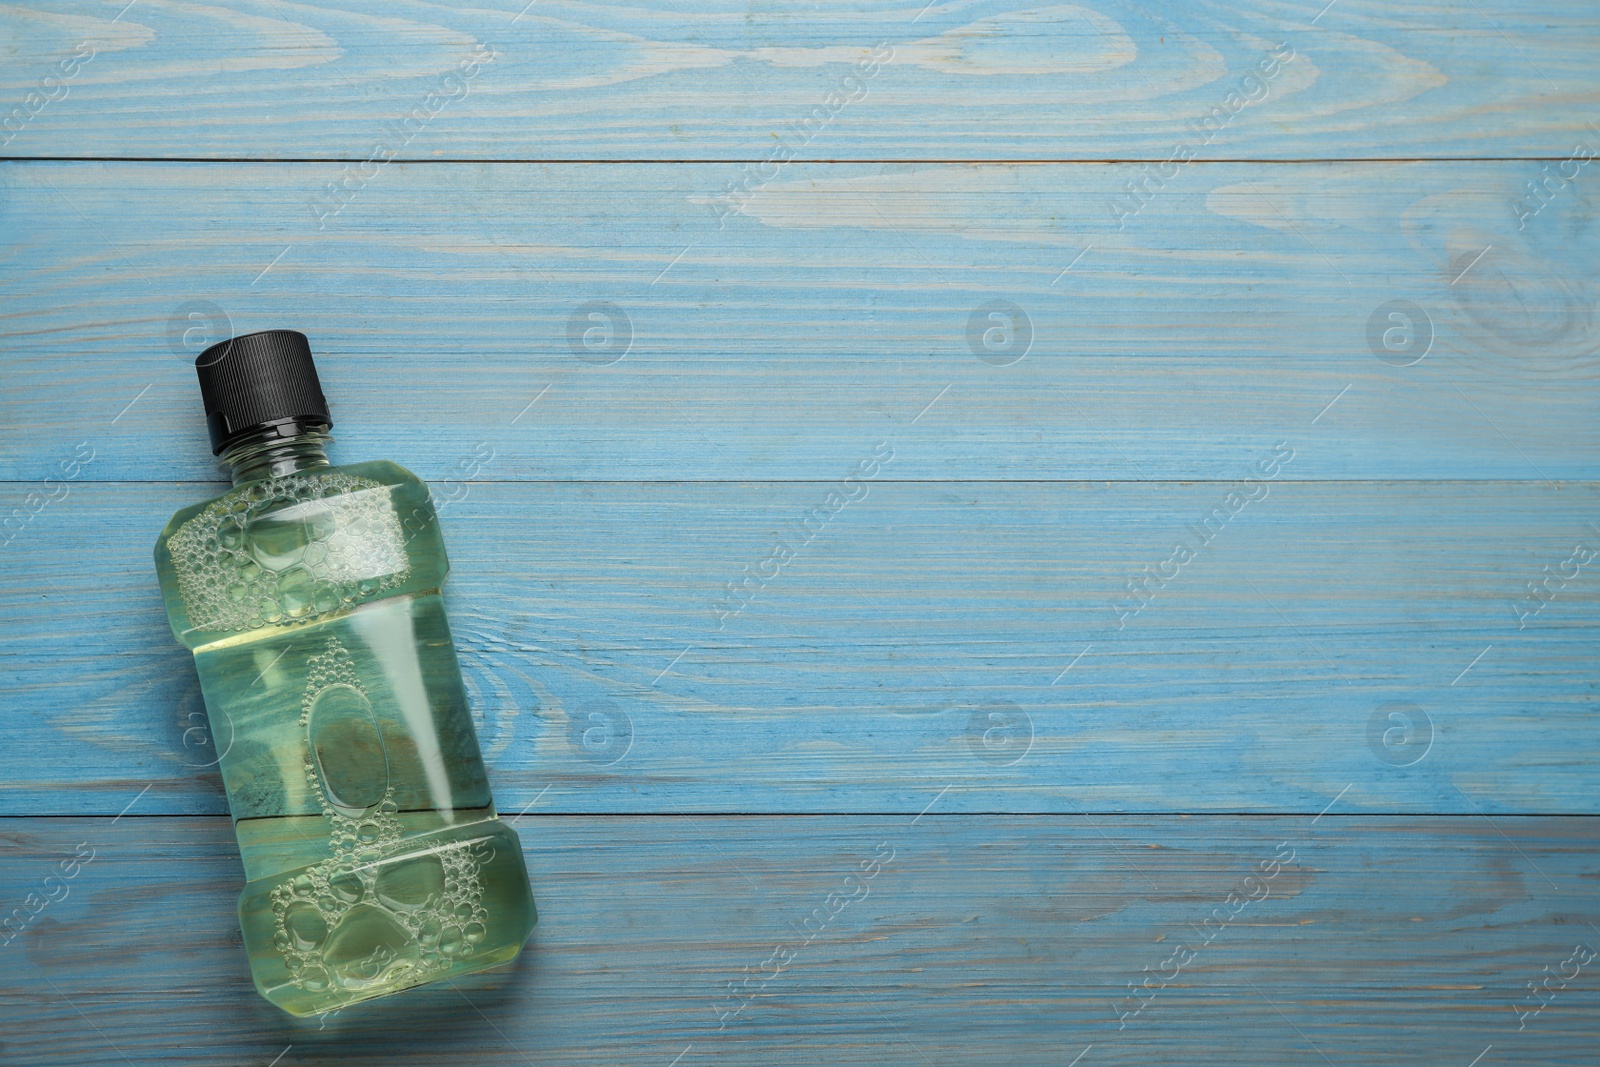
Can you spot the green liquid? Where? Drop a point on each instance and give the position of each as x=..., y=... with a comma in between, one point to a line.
x=374, y=857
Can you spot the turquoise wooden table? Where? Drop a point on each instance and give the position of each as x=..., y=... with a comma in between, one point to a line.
x=982, y=533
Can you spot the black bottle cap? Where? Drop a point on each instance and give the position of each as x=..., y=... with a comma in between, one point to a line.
x=257, y=381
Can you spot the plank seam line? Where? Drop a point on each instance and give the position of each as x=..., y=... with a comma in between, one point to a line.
x=1575, y=482
x=734, y=161
x=902, y=814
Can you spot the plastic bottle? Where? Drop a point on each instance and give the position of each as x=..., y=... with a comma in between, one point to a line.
x=309, y=594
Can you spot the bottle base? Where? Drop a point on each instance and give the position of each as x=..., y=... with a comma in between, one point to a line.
x=348, y=929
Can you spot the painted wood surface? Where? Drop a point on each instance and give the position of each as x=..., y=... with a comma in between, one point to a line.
x=593, y=322
x=868, y=940
x=673, y=79
x=1081, y=270
x=1370, y=640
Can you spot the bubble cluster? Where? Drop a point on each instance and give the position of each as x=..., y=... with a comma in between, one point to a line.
x=288, y=549
x=371, y=915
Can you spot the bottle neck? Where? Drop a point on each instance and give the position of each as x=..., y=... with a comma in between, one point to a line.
x=271, y=455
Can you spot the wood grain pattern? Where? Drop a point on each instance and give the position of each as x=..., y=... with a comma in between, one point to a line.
x=635, y=381
x=837, y=309
x=987, y=940
x=851, y=680
x=674, y=79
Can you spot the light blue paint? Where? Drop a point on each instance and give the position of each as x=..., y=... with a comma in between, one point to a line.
x=1346, y=660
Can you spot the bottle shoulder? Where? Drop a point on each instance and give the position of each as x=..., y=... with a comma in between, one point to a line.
x=384, y=471
x=298, y=547
x=332, y=480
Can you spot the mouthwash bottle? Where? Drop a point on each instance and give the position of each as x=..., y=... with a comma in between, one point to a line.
x=309, y=593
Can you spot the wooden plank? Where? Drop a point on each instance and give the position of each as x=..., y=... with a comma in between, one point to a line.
x=845, y=305
x=984, y=940
x=674, y=79
x=862, y=677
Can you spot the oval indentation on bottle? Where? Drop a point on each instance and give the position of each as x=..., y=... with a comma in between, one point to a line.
x=348, y=749
x=410, y=883
x=368, y=947
x=277, y=537
x=306, y=925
